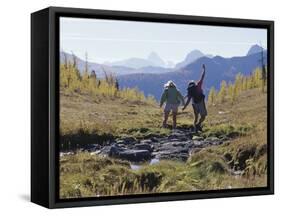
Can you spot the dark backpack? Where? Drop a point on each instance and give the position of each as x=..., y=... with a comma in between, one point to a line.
x=197, y=96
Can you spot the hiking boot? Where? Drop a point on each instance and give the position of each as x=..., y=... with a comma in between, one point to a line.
x=194, y=129
x=198, y=127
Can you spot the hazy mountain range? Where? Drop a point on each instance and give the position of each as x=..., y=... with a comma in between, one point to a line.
x=152, y=60
x=128, y=66
x=150, y=74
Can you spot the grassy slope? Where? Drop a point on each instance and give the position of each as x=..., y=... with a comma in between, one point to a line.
x=212, y=168
x=105, y=117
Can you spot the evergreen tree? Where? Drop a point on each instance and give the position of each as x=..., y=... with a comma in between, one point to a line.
x=212, y=95
x=223, y=91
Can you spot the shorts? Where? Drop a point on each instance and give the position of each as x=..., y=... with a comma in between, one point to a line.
x=200, y=108
x=173, y=107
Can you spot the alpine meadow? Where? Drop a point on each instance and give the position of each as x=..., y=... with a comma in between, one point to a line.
x=145, y=111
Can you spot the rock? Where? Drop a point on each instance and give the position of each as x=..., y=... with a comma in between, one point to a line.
x=115, y=150
x=118, y=142
x=177, y=136
x=95, y=152
x=129, y=140
x=144, y=146
x=91, y=147
x=199, y=144
x=105, y=150
x=197, y=138
x=146, y=141
x=174, y=140
x=172, y=156
x=173, y=150
x=154, y=139
x=178, y=144
x=212, y=139
x=135, y=155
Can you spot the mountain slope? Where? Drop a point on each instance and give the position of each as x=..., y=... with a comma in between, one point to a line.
x=217, y=69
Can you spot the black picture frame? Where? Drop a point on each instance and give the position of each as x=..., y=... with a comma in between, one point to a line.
x=45, y=105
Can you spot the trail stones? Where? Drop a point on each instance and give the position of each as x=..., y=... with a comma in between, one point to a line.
x=144, y=146
x=176, y=146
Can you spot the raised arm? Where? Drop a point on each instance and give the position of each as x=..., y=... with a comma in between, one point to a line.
x=202, y=75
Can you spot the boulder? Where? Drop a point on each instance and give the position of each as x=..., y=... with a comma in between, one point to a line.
x=144, y=146
x=133, y=155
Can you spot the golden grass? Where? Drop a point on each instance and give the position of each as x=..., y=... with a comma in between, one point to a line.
x=85, y=175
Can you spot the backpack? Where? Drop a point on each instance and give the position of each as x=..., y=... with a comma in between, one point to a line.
x=193, y=92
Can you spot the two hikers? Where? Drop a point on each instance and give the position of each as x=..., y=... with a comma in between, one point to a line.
x=173, y=97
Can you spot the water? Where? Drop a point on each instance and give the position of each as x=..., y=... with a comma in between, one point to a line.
x=139, y=165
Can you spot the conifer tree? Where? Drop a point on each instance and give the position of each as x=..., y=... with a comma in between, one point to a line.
x=223, y=91
x=212, y=96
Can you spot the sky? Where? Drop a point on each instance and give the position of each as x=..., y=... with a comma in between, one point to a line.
x=113, y=40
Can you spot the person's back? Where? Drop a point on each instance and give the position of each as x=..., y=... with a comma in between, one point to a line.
x=195, y=92
x=172, y=97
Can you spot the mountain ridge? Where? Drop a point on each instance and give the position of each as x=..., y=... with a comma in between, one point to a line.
x=217, y=69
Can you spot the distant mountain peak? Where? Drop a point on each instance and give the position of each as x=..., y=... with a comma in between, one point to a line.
x=190, y=57
x=254, y=49
x=194, y=52
x=155, y=59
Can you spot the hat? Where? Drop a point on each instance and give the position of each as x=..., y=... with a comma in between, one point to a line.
x=191, y=84
x=170, y=83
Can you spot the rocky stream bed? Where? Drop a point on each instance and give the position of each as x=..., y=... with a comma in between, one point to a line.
x=179, y=145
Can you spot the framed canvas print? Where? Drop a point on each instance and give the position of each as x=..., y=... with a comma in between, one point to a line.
x=138, y=107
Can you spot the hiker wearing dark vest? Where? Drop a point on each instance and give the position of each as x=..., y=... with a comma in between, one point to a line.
x=173, y=98
x=195, y=93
